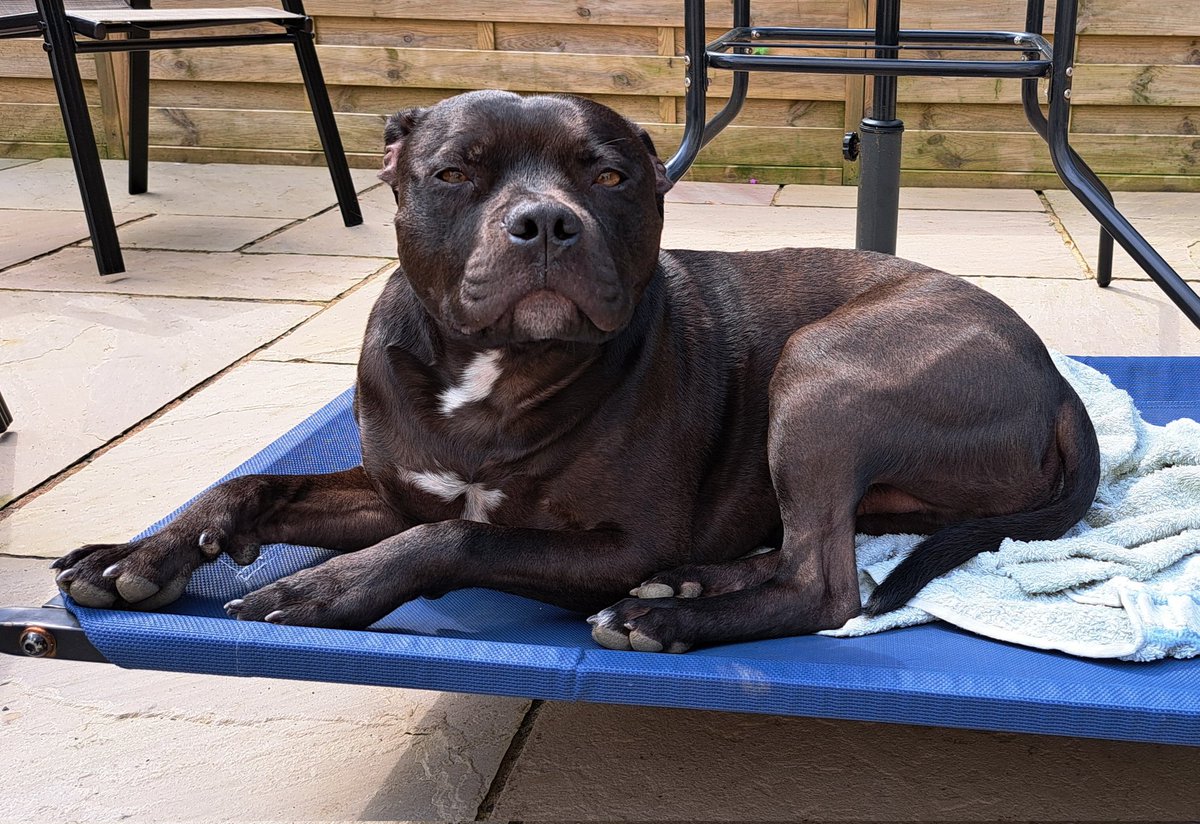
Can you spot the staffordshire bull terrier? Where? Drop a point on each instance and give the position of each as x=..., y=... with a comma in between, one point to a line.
x=551, y=406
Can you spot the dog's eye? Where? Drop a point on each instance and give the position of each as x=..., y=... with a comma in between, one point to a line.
x=608, y=178
x=452, y=176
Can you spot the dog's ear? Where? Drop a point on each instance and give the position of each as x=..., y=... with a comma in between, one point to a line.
x=662, y=183
x=399, y=127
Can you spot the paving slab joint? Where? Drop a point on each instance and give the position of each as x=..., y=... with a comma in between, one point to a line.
x=511, y=756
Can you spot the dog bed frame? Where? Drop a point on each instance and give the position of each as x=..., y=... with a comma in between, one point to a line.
x=489, y=642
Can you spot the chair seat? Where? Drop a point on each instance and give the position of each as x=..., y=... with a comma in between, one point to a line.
x=119, y=14
x=99, y=20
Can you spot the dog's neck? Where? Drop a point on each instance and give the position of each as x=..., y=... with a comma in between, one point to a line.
x=510, y=381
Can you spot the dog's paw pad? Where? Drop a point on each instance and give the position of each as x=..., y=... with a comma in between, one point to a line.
x=654, y=591
x=134, y=588
x=690, y=589
x=90, y=595
x=644, y=643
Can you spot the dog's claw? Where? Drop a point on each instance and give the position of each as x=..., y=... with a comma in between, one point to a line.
x=209, y=544
x=275, y=617
x=232, y=607
x=113, y=571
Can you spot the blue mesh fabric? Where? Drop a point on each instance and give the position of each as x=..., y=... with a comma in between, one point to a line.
x=489, y=642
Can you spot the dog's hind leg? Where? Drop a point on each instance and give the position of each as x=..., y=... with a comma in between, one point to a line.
x=340, y=510
x=814, y=587
x=706, y=580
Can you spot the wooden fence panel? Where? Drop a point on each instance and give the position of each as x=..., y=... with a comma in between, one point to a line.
x=1136, y=112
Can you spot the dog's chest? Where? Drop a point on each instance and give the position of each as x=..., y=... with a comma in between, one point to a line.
x=477, y=501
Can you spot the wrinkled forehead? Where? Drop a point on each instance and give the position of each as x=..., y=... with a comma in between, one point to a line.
x=501, y=127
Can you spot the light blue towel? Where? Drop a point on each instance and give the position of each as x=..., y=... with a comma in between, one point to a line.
x=1123, y=583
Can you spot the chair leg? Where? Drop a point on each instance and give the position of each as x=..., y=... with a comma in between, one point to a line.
x=60, y=45
x=139, y=117
x=331, y=139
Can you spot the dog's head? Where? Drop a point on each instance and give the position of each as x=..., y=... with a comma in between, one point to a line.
x=525, y=218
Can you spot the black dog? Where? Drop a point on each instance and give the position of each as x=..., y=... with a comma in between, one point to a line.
x=553, y=407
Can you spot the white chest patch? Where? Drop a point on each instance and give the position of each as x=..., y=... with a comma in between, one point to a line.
x=478, y=502
x=475, y=383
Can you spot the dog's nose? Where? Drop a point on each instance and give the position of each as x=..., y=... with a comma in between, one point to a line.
x=543, y=222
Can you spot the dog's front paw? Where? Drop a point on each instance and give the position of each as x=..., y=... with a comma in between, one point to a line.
x=332, y=595
x=144, y=574
x=643, y=624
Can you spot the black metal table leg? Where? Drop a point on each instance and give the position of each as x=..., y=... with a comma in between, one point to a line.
x=697, y=131
x=1083, y=182
x=881, y=135
x=1035, y=13
x=6, y=417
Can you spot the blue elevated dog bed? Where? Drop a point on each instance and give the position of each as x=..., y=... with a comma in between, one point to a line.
x=488, y=642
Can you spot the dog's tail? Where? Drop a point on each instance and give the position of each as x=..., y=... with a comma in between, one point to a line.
x=956, y=544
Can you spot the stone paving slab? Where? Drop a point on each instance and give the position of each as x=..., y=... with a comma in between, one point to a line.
x=91, y=742
x=325, y=234
x=1003, y=244
x=12, y=162
x=740, y=228
x=979, y=200
x=1077, y=317
x=729, y=194
x=191, y=446
x=229, y=189
x=606, y=763
x=196, y=274
x=1169, y=220
x=80, y=369
x=197, y=233
x=27, y=233
x=333, y=336
x=1007, y=244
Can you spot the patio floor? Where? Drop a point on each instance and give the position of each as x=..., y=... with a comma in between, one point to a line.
x=241, y=313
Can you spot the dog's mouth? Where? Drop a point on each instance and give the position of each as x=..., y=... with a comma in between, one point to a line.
x=545, y=315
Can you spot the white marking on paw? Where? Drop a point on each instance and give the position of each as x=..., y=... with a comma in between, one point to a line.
x=479, y=501
x=475, y=383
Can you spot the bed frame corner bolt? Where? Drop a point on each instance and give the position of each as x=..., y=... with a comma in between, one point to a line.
x=37, y=642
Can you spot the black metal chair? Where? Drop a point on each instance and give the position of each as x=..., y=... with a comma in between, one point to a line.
x=744, y=49
x=5, y=416
x=62, y=22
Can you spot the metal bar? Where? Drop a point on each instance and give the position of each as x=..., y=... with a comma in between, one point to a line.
x=741, y=84
x=1080, y=180
x=6, y=417
x=138, y=150
x=881, y=136
x=183, y=42
x=1035, y=14
x=1014, y=69
x=322, y=109
x=903, y=35
x=695, y=85
x=59, y=43
x=786, y=44
x=45, y=632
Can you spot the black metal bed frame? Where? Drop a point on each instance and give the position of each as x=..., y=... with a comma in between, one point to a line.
x=59, y=29
x=880, y=133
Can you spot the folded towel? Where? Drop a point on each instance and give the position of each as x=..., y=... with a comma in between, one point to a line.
x=1123, y=583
